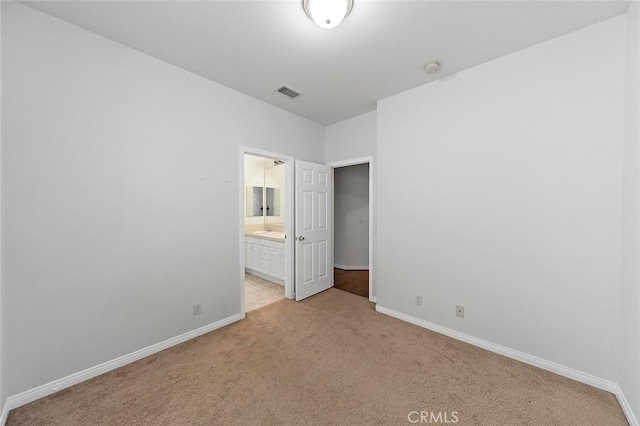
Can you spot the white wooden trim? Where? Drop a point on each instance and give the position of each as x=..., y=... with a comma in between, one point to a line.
x=5, y=414
x=372, y=297
x=553, y=367
x=289, y=252
x=351, y=267
x=241, y=219
x=355, y=162
x=31, y=395
x=3, y=373
x=333, y=224
x=562, y=370
x=626, y=408
x=47, y=389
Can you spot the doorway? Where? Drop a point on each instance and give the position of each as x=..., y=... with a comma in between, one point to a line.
x=266, y=220
x=314, y=192
x=352, y=227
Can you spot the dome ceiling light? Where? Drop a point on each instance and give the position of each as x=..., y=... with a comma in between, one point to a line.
x=327, y=13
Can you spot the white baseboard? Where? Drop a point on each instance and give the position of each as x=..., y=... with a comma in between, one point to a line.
x=628, y=412
x=373, y=299
x=553, y=367
x=5, y=414
x=351, y=268
x=579, y=376
x=31, y=395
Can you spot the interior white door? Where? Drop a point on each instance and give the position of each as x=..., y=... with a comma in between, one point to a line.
x=314, y=257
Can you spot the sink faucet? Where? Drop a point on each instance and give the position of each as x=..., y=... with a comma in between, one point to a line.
x=266, y=228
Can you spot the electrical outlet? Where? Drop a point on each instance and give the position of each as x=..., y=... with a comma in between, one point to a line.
x=460, y=311
x=418, y=300
x=197, y=308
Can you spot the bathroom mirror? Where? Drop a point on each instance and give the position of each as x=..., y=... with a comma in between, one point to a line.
x=254, y=201
x=256, y=206
x=264, y=182
x=273, y=202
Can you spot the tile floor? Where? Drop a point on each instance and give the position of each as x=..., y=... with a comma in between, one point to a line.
x=259, y=292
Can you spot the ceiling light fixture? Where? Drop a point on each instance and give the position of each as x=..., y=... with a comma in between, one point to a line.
x=327, y=13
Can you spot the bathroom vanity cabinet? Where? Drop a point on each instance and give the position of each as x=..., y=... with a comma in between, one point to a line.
x=265, y=258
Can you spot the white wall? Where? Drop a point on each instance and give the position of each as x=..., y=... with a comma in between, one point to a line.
x=499, y=189
x=351, y=217
x=114, y=163
x=3, y=311
x=115, y=166
x=630, y=295
x=253, y=170
x=352, y=139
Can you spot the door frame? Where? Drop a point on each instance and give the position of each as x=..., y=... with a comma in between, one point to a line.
x=347, y=163
x=289, y=290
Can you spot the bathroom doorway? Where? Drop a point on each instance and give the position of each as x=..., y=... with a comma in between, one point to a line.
x=266, y=221
x=353, y=227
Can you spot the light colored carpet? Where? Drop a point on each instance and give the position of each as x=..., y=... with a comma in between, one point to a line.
x=328, y=360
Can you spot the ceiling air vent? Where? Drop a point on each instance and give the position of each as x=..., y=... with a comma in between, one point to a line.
x=287, y=91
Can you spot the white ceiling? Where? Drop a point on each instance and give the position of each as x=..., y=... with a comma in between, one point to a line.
x=378, y=51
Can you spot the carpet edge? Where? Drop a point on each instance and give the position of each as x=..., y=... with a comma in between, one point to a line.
x=52, y=387
x=535, y=361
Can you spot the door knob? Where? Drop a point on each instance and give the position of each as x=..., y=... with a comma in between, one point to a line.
x=300, y=238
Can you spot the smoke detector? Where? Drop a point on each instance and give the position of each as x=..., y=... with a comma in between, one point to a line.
x=432, y=68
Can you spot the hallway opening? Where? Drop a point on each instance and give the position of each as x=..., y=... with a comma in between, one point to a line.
x=351, y=228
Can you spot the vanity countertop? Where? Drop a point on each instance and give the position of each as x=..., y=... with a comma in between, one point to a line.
x=267, y=235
